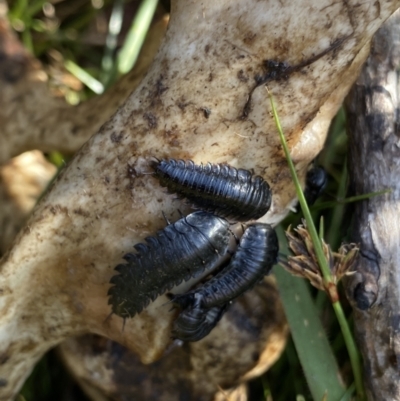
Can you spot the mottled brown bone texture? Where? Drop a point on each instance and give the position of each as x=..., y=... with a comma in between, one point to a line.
x=55, y=277
x=373, y=125
x=249, y=338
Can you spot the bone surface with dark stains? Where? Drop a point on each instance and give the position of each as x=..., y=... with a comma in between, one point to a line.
x=55, y=277
x=244, y=344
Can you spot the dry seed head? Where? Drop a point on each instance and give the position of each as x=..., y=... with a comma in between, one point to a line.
x=304, y=263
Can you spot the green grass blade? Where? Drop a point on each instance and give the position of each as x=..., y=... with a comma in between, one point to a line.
x=304, y=207
x=350, y=199
x=20, y=18
x=35, y=7
x=334, y=234
x=323, y=264
x=92, y=83
x=313, y=349
x=114, y=29
x=18, y=11
x=27, y=39
x=136, y=35
x=348, y=394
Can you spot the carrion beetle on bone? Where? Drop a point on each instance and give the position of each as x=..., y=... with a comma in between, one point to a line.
x=221, y=189
x=194, y=243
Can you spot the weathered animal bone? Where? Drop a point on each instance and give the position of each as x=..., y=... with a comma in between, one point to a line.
x=103, y=367
x=100, y=365
x=195, y=371
x=55, y=278
x=373, y=122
